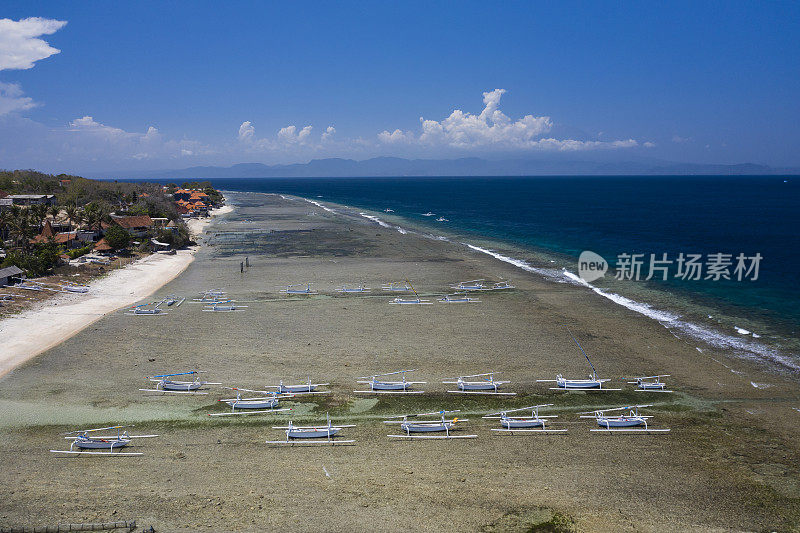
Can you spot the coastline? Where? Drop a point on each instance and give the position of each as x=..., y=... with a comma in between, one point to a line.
x=55, y=320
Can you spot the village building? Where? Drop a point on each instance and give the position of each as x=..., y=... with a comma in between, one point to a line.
x=9, y=275
x=25, y=200
x=137, y=225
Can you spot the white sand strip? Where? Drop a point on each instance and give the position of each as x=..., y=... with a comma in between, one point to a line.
x=32, y=332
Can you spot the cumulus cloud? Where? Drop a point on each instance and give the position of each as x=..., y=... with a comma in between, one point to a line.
x=328, y=134
x=492, y=129
x=680, y=140
x=246, y=131
x=20, y=46
x=13, y=99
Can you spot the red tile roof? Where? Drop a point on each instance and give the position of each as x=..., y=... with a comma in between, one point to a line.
x=102, y=245
x=138, y=221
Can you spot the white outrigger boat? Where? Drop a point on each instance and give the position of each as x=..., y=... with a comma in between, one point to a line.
x=472, y=285
x=442, y=219
x=396, y=286
x=311, y=435
x=523, y=424
x=361, y=288
x=485, y=385
x=225, y=307
x=69, y=286
x=173, y=300
x=382, y=386
x=411, y=301
x=251, y=406
x=302, y=388
x=166, y=385
x=143, y=310
x=87, y=445
x=592, y=383
x=623, y=423
x=427, y=426
x=211, y=296
x=643, y=385
x=501, y=286
x=299, y=288
x=428, y=214
x=458, y=298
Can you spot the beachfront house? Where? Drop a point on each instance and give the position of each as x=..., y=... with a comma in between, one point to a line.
x=137, y=225
x=9, y=275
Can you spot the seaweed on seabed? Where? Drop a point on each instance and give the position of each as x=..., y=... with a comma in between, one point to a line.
x=535, y=520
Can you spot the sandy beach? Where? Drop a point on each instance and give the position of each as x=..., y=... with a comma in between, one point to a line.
x=730, y=462
x=30, y=333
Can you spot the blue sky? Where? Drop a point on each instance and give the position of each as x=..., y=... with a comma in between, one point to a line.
x=175, y=84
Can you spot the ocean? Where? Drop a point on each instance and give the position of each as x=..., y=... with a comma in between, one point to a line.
x=544, y=223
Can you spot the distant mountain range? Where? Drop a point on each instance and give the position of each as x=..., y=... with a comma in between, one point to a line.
x=469, y=166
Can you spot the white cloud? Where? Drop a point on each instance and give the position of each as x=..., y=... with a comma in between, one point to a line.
x=680, y=140
x=87, y=124
x=20, y=46
x=246, y=131
x=328, y=134
x=288, y=135
x=492, y=129
x=12, y=99
x=649, y=144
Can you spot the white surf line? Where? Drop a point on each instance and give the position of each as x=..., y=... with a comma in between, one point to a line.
x=665, y=318
x=316, y=203
x=384, y=224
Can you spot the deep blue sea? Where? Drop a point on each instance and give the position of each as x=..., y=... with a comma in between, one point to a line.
x=610, y=215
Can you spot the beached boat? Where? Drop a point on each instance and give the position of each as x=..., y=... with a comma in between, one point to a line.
x=485, y=384
x=87, y=442
x=524, y=424
x=632, y=422
x=323, y=434
x=382, y=386
x=427, y=426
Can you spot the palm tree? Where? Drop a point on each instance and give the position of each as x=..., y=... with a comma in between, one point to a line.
x=73, y=216
x=54, y=211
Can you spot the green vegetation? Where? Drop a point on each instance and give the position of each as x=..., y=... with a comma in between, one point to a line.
x=117, y=237
x=84, y=204
x=77, y=252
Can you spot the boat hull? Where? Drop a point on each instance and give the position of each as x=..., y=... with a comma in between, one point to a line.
x=177, y=386
x=92, y=444
x=290, y=389
x=426, y=428
x=620, y=422
x=477, y=386
x=253, y=404
x=312, y=433
x=388, y=385
x=578, y=384
x=525, y=423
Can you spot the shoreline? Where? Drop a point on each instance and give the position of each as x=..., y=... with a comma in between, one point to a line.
x=53, y=321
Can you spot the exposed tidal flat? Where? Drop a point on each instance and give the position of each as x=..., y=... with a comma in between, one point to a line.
x=729, y=463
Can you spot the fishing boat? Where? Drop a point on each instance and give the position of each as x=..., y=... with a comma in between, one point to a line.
x=458, y=298
x=644, y=385
x=427, y=426
x=485, y=384
x=593, y=382
x=396, y=286
x=359, y=288
x=164, y=384
x=632, y=422
x=87, y=442
x=302, y=388
x=428, y=214
x=472, y=285
x=300, y=288
x=383, y=386
x=323, y=434
x=534, y=423
x=262, y=404
x=74, y=287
